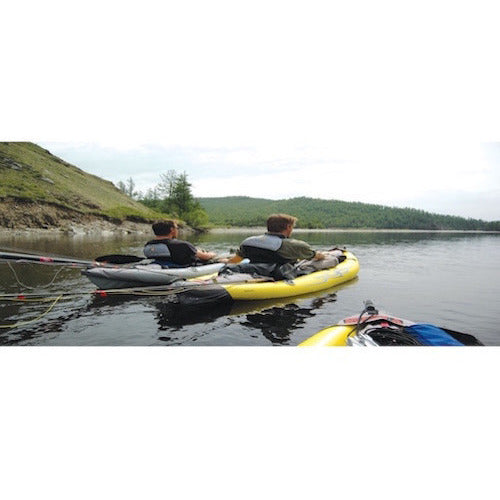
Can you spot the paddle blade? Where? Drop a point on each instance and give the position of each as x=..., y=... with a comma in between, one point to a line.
x=118, y=259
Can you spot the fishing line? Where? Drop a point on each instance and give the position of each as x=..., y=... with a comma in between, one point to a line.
x=33, y=297
x=20, y=283
x=27, y=322
x=144, y=291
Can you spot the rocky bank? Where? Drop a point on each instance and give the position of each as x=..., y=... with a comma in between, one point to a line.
x=20, y=216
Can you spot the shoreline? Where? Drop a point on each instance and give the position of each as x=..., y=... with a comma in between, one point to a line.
x=127, y=228
x=219, y=230
x=100, y=228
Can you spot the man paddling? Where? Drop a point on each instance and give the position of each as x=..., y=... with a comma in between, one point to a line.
x=168, y=251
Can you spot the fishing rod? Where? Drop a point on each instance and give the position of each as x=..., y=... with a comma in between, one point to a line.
x=43, y=259
x=20, y=257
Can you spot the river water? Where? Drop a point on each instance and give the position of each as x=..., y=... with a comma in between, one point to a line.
x=448, y=279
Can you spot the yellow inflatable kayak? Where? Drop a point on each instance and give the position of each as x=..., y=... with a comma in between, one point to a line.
x=374, y=328
x=206, y=291
x=314, y=282
x=332, y=336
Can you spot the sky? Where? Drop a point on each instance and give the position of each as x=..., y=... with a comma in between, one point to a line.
x=394, y=103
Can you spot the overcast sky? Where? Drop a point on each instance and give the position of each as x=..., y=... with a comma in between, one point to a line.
x=380, y=102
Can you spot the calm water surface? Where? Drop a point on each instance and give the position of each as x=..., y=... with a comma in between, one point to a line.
x=449, y=279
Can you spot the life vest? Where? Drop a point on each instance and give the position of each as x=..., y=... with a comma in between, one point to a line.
x=170, y=252
x=263, y=248
x=157, y=249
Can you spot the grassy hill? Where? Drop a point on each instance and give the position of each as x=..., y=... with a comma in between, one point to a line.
x=317, y=213
x=31, y=174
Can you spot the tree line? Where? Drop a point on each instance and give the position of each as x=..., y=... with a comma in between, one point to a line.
x=316, y=213
x=173, y=197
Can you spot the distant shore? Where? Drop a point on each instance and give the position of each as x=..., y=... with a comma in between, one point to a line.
x=108, y=229
x=219, y=230
x=96, y=227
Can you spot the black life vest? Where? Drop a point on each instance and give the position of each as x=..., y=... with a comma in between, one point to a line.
x=263, y=248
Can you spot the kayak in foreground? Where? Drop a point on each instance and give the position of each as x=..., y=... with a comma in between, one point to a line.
x=374, y=328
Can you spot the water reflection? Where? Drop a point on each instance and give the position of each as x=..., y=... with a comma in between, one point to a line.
x=277, y=324
x=24, y=331
x=229, y=242
x=81, y=246
x=274, y=319
x=91, y=246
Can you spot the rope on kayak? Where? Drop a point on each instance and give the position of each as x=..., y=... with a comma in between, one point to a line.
x=27, y=322
x=395, y=336
x=370, y=310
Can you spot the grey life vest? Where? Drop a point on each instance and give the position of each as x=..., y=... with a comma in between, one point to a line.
x=157, y=250
x=171, y=252
x=263, y=248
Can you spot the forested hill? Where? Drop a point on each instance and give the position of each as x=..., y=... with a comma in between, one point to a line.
x=316, y=213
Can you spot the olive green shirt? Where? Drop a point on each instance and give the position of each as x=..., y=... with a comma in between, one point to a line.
x=291, y=250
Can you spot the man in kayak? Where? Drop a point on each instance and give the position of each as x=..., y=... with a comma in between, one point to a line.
x=168, y=251
x=276, y=246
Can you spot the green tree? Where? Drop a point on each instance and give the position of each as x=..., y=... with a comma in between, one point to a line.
x=167, y=184
x=128, y=187
x=182, y=198
x=173, y=196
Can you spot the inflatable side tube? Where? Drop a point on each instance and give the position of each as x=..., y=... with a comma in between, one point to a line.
x=331, y=336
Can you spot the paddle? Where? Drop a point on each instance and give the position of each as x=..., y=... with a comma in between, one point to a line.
x=119, y=259
x=109, y=259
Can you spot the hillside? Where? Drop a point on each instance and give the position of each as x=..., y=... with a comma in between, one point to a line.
x=317, y=213
x=38, y=189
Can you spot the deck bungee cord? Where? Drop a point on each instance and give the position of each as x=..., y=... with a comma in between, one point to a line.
x=382, y=334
